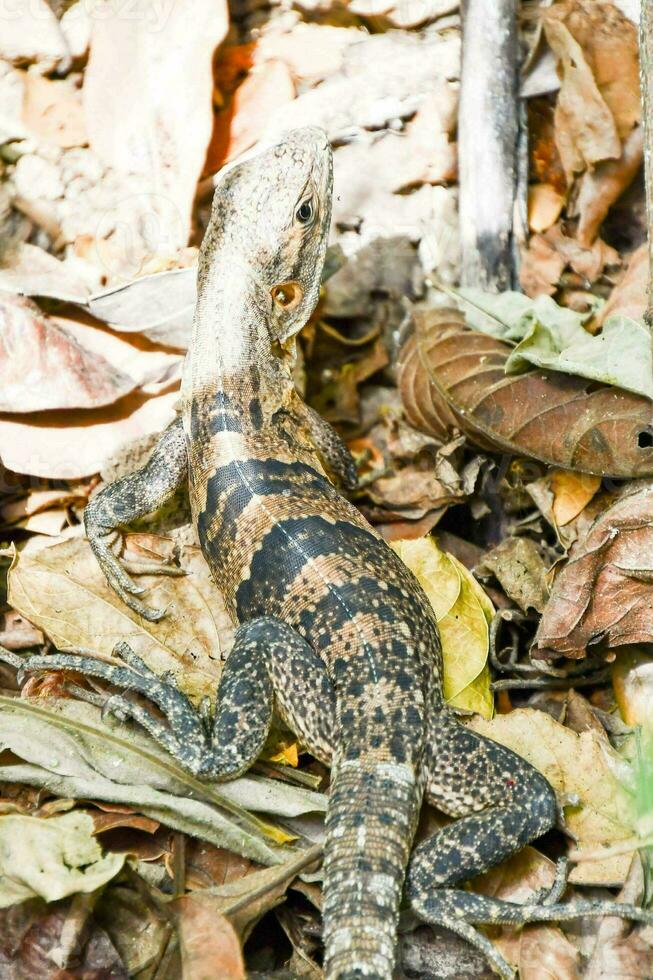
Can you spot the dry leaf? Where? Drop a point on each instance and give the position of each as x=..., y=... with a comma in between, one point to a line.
x=209, y=945
x=51, y=858
x=62, y=590
x=610, y=46
x=586, y=131
x=42, y=366
x=601, y=187
x=629, y=297
x=571, y=493
x=31, y=32
x=463, y=613
x=582, y=767
x=31, y=271
x=604, y=591
x=632, y=680
x=540, y=268
x=621, y=952
x=518, y=566
x=544, y=206
x=537, y=951
x=77, y=443
x=53, y=110
x=266, y=89
x=448, y=370
x=311, y=51
x=141, y=118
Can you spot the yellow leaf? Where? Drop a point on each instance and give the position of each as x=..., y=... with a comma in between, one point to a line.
x=287, y=755
x=463, y=613
x=583, y=768
x=571, y=493
x=544, y=206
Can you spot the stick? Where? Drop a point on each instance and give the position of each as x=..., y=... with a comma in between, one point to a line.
x=646, y=83
x=487, y=143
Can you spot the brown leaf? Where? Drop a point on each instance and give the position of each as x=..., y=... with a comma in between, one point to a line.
x=610, y=47
x=601, y=187
x=449, y=372
x=586, y=131
x=518, y=566
x=544, y=206
x=209, y=945
x=208, y=865
x=268, y=87
x=541, y=267
x=571, y=493
x=604, y=591
x=629, y=297
x=17, y=633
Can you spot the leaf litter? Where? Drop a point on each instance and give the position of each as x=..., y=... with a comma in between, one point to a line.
x=504, y=447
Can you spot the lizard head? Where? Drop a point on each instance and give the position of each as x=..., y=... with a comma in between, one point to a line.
x=271, y=214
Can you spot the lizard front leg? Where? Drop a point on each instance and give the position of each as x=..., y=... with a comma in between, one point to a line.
x=503, y=803
x=129, y=498
x=270, y=665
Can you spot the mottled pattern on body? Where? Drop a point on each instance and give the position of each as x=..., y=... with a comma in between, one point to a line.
x=335, y=633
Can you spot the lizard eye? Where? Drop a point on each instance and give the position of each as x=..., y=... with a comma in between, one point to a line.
x=305, y=212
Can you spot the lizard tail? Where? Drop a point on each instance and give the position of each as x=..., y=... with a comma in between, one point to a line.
x=373, y=808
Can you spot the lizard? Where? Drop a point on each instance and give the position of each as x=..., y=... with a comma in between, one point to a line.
x=334, y=633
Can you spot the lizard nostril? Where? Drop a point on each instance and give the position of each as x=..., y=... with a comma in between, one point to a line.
x=287, y=295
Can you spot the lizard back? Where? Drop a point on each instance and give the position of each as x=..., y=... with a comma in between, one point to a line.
x=282, y=542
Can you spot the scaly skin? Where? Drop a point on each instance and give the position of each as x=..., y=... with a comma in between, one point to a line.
x=335, y=632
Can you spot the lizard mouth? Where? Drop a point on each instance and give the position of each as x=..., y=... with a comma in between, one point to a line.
x=287, y=295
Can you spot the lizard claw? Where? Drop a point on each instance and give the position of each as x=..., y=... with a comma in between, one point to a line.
x=116, y=574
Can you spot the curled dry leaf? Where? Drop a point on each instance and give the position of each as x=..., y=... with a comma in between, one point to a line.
x=601, y=187
x=42, y=366
x=632, y=681
x=450, y=375
x=464, y=613
x=604, y=591
x=586, y=131
x=582, y=768
x=544, y=206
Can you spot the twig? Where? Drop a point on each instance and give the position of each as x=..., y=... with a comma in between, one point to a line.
x=487, y=142
x=646, y=84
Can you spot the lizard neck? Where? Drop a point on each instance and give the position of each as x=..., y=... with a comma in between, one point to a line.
x=231, y=349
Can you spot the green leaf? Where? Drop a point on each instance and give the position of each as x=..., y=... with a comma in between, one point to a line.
x=69, y=749
x=463, y=613
x=51, y=858
x=553, y=337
